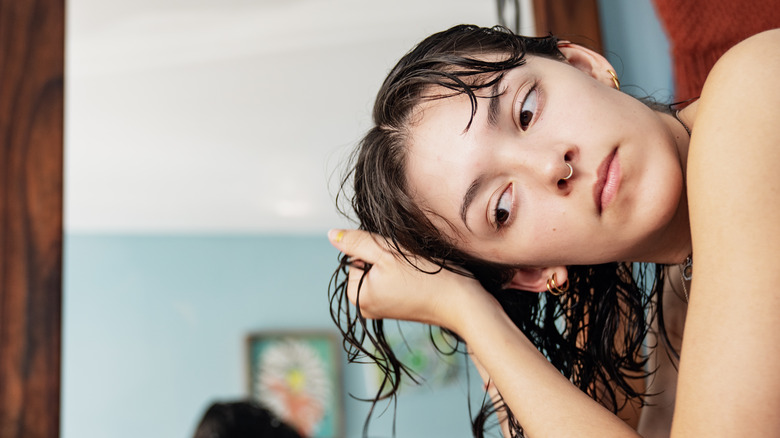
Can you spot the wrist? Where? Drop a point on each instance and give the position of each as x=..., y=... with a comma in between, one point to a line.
x=471, y=304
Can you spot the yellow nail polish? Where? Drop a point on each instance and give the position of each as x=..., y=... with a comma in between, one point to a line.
x=339, y=236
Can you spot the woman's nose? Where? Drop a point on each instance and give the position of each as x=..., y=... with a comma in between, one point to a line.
x=554, y=166
x=557, y=169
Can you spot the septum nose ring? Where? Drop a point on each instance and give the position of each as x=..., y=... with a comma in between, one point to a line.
x=571, y=172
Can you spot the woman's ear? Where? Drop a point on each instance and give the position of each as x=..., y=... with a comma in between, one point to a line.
x=535, y=279
x=588, y=61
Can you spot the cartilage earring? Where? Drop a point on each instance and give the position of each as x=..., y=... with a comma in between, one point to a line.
x=571, y=172
x=614, y=79
x=553, y=288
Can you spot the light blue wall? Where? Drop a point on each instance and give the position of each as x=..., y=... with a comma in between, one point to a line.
x=636, y=45
x=154, y=330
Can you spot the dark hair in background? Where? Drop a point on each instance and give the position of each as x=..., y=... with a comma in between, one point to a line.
x=242, y=419
x=593, y=334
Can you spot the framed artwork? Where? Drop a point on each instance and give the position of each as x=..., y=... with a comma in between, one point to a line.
x=297, y=376
x=413, y=345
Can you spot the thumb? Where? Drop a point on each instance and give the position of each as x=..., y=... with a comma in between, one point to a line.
x=357, y=244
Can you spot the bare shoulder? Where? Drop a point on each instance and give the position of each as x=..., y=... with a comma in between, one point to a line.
x=740, y=100
x=733, y=183
x=736, y=140
x=762, y=42
x=752, y=63
x=725, y=386
x=735, y=130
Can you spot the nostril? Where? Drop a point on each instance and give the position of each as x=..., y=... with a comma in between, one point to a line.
x=562, y=183
x=570, y=172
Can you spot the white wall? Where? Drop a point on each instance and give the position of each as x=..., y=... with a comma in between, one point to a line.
x=227, y=115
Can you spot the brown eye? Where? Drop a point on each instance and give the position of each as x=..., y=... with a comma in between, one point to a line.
x=501, y=216
x=525, y=119
x=528, y=109
x=504, y=208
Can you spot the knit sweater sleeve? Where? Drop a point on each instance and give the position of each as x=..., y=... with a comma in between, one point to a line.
x=700, y=31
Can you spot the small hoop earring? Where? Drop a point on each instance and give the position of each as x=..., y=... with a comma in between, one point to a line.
x=571, y=172
x=615, y=79
x=553, y=288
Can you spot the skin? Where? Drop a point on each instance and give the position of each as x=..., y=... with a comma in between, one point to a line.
x=580, y=119
x=727, y=384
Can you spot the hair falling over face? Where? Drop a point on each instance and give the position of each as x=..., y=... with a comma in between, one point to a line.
x=593, y=334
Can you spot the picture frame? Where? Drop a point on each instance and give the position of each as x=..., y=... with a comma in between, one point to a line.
x=422, y=350
x=297, y=376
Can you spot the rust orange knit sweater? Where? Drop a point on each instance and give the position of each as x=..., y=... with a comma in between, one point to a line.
x=700, y=31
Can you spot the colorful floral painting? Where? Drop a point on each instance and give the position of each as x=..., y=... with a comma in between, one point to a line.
x=415, y=346
x=296, y=376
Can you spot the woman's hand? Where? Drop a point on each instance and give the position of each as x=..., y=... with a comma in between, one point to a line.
x=532, y=388
x=395, y=289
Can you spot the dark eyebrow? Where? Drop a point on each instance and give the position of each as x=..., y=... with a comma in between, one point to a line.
x=468, y=198
x=494, y=109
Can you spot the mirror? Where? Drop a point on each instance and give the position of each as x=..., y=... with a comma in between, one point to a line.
x=204, y=141
x=203, y=147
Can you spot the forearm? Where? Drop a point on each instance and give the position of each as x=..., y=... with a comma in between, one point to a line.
x=495, y=397
x=544, y=402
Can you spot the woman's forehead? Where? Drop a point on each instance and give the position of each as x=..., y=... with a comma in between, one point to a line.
x=438, y=155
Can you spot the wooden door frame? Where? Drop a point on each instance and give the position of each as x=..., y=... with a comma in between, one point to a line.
x=573, y=20
x=32, y=35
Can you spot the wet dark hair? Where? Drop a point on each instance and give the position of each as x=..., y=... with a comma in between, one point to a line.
x=593, y=334
x=242, y=419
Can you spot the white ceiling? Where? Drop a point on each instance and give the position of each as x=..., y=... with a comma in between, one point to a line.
x=226, y=115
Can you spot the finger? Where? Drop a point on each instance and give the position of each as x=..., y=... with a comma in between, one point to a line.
x=357, y=264
x=358, y=284
x=360, y=245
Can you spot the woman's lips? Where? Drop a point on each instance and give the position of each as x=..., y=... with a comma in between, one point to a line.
x=608, y=181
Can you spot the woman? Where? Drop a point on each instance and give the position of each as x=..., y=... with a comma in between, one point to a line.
x=500, y=164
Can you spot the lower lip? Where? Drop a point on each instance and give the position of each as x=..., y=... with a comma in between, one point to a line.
x=612, y=183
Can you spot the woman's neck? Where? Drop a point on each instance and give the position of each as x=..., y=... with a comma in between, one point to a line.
x=673, y=245
x=681, y=125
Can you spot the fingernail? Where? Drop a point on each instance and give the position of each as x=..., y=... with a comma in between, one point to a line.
x=336, y=235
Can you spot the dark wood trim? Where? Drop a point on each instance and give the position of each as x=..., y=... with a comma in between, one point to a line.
x=573, y=20
x=31, y=168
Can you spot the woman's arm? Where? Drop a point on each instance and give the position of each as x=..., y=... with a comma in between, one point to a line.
x=729, y=383
x=495, y=397
x=541, y=398
x=656, y=416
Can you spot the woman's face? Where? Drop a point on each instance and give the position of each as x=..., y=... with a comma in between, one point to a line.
x=498, y=188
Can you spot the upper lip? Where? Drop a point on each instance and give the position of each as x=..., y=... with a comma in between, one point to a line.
x=601, y=178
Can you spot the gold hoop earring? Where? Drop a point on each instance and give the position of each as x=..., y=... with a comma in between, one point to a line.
x=615, y=79
x=553, y=288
